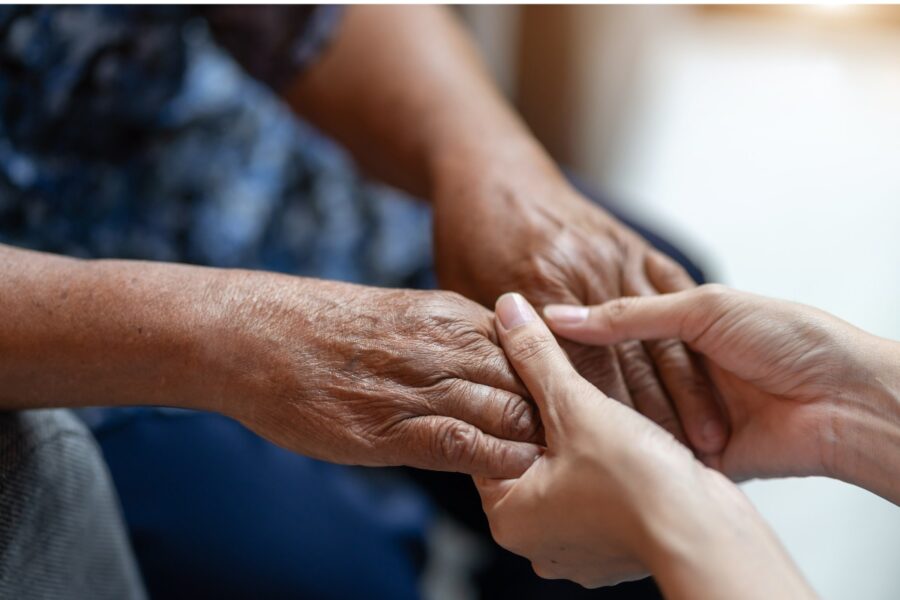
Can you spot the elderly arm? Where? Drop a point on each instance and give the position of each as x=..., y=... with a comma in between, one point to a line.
x=335, y=371
x=76, y=333
x=403, y=89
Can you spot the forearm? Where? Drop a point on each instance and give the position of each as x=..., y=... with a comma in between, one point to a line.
x=404, y=90
x=720, y=548
x=866, y=421
x=79, y=333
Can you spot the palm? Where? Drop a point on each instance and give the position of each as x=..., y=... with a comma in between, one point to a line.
x=775, y=412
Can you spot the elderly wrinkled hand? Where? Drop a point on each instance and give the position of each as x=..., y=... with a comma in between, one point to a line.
x=372, y=376
x=539, y=236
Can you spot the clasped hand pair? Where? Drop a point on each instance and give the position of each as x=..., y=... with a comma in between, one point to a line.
x=373, y=376
x=614, y=496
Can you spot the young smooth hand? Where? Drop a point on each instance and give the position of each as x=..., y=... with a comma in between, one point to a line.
x=805, y=393
x=614, y=495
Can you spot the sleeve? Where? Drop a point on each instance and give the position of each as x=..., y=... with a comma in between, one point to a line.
x=274, y=43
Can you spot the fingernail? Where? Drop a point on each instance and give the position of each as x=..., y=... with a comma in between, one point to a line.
x=513, y=310
x=566, y=314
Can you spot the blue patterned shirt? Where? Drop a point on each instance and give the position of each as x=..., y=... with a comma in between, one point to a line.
x=155, y=133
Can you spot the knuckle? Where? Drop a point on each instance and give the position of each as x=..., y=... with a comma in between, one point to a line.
x=444, y=394
x=619, y=308
x=670, y=355
x=528, y=347
x=675, y=365
x=490, y=359
x=637, y=369
x=456, y=442
x=642, y=383
x=632, y=353
x=466, y=309
x=454, y=297
x=543, y=266
x=597, y=364
x=670, y=347
x=518, y=418
x=448, y=301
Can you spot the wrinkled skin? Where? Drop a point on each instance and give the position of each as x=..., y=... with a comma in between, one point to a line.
x=371, y=376
x=539, y=237
x=785, y=372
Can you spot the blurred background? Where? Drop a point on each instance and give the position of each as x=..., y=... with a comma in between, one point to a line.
x=765, y=140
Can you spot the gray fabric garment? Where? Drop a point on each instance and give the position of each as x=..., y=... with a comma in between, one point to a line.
x=61, y=532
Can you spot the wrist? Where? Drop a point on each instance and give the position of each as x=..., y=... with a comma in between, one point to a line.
x=866, y=421
x=672, y=529
x=708, y=541
x=208, y=367
x=255, y=330
x=149, y=326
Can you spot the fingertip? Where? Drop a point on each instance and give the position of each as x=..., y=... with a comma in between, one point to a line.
x=583, y=324
x=715, y=435
x=709, y=436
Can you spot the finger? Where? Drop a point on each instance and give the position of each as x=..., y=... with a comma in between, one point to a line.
x=685, y=380
x=691, y=390
x=536, y=356
x=497, y=412
x=666, y=275
x=447, y=444
x=600, y=366
x=659, y=317
x=627, y=318
x=487, y=364
x=647, y=392
x=656, y=317
x=649, y=395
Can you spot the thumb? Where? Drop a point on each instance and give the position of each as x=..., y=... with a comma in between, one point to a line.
x=537, y=358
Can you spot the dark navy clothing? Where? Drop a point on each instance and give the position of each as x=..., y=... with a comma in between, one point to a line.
x=215, y=511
